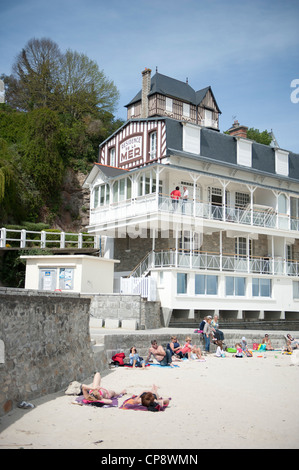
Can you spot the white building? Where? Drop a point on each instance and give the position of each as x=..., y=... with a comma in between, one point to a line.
x=232, y=246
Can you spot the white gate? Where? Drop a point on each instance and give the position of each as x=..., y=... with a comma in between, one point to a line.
x=143, y=286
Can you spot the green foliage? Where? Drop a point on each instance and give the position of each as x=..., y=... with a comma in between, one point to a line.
x=260, y=137
x=59, y=109
x=43, y=161
x=12, y=270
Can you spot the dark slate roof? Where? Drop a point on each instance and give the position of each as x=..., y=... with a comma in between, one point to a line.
x=173, y=88
x=222, y=148
x=110, y=171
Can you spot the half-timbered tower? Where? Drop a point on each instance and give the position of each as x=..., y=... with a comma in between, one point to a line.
x=230, y=242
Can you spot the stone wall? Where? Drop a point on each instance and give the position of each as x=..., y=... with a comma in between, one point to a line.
x=126, y=307
x=45, y=344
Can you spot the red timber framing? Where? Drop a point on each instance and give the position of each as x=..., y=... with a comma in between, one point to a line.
x=134, y=145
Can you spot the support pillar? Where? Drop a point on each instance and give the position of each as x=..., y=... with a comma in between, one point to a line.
x=166, y=315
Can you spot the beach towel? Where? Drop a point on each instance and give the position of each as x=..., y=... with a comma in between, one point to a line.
x=82, y=401
x=163, y=367
x=137, y=365
x=129, y=405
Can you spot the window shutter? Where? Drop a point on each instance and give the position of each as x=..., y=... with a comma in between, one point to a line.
x=191, y=139
x=244, y=154
x=281, y=162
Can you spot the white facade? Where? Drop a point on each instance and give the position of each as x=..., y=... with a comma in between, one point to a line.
x=66, y=273
x=232, y=247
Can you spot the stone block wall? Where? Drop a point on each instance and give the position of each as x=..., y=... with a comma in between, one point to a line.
x=45, y=344
x=126, y=307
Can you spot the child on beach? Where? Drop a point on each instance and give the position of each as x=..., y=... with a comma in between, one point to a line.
x=244, y=343
x=239, y=349
x=219, y=350
x=194, y=352
x=135, y=359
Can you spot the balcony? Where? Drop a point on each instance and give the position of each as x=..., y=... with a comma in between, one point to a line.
x=144, y=206
x=204, y=261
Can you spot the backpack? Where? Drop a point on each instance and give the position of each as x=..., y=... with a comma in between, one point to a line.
x=119, y=358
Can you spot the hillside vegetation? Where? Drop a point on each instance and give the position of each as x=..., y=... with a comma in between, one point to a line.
x=58, y=109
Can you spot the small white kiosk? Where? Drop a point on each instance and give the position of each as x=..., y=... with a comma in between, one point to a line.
x=70, y=273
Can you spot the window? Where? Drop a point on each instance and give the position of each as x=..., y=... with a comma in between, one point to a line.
x=181, y=283
x=241, y=247
x=186, y=110
x=96, y=196
x=168, y=104
x=153, y=145
x=208, y=118
x=295, y=207
x=282, y=204
x=112, y=156
x=115, y=191
x=295, y=289
x=261, y=287
x=242, y=200
x=206, y=285
x=148, y=184
x=235, y=285
x=104, y=193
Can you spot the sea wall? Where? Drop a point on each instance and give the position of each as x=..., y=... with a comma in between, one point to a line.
x=44, y=344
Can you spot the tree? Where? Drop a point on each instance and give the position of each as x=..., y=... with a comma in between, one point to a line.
x=85, y=87
x=71, y=83
x=264, y=137
x=36, y=72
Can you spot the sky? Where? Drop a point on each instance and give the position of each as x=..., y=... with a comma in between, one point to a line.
x=247, y=51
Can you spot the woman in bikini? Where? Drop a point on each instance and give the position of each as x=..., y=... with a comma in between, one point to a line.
x=95, y=392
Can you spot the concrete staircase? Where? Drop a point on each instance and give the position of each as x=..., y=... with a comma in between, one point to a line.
x=285, y=325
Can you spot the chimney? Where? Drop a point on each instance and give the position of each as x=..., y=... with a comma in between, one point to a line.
x=146, y=86
x=237, y=130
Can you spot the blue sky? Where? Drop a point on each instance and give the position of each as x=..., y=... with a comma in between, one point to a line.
x=247, y=51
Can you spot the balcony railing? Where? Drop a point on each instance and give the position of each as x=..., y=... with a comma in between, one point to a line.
x=205, y=261
x=260, y=216
x=13, y=238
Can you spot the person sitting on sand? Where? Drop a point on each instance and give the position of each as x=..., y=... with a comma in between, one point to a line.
x=192, y=351
x=159, y=353
x=95, y=392
x=244, y=343
x=175, y=348
x=292, y=343
x=266, y=340
x=219, y=350
x=135, y=359
x=239, y=352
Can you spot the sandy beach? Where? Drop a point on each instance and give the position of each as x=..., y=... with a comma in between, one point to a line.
x=222, y=403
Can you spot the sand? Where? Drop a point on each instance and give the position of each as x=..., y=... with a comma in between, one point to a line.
x=222, y=403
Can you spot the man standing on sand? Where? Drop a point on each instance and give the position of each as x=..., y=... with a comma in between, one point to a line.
x=162, y=356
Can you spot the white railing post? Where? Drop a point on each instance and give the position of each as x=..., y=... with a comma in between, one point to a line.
x=80, y=240
x=23, y=238
x=43, y=239
x=3, y=238
x=62, y=240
